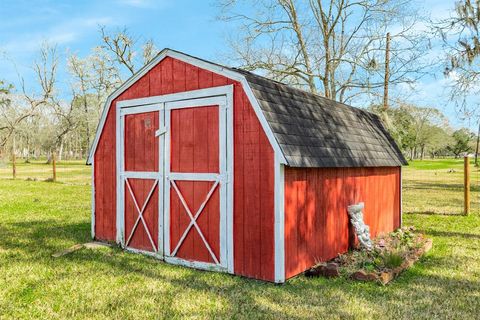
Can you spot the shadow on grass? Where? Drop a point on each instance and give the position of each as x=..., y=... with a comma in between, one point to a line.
x=432, y=213
x=432, y=185
x=437, y=233
x=331, y=297
x=36, y=237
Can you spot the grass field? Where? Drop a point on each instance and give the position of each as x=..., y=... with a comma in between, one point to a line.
x=39, y=218
x=68, y=172
x=436, y=186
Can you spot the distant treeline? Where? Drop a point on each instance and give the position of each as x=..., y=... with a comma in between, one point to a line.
x=422, y=132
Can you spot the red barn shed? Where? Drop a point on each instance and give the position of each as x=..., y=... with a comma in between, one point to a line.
x=218, y=168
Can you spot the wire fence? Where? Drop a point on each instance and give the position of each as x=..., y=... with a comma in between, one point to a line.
x=437, y=187
x=429, y=186
x=68, y=172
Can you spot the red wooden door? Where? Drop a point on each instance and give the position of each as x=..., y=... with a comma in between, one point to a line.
x=195, y=184
x=141, y=180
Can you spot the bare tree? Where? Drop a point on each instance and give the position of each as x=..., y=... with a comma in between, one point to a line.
x=93, y=78
x=79, y=70
x=149, y=51
x=16, y=108
x=125, y=49
x=121, y=45
x=335, y=47
x=461, y=38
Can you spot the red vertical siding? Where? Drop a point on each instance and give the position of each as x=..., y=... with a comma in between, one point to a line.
x=316, y=219
x=253, y=167
x=141, y=144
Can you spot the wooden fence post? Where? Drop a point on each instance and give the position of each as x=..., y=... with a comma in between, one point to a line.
x=466, y=185
x=54, y=165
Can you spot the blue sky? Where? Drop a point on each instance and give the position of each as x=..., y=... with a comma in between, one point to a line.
x=188, y=26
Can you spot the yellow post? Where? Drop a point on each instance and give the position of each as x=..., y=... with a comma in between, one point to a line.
x=466, y=185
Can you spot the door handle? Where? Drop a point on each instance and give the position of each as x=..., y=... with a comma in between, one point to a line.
x=160, y=131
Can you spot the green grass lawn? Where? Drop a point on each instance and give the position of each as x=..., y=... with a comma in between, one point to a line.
x=39, y=218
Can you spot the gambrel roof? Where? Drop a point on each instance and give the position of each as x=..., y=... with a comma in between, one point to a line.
x=314, y=131
x=305, y=129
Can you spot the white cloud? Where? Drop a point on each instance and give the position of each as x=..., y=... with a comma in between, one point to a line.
x=61, y=34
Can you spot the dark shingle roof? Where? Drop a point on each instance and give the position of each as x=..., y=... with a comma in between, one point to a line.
x=314, y=131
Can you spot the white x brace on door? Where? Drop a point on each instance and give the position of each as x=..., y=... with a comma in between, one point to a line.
x=197, y=127
x=141, y=135
x=200, y=199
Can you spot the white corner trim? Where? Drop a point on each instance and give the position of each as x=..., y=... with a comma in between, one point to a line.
x=401, y=196
x=279, y=227
x=93, y=201
x=119, y=164
x=203, y=65
x=230, y=175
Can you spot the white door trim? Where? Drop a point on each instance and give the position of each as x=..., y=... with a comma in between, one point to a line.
x=224, y=177
x=140, y=103
x=221, y=96
x=123, y=176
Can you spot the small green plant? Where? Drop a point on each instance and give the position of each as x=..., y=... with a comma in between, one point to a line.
x=392, y=260
x=378, y=261
x=368, y=266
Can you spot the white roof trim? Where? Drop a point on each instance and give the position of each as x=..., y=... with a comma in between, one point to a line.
x=203, y=65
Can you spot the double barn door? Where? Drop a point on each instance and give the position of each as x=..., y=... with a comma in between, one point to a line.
x=173, y=172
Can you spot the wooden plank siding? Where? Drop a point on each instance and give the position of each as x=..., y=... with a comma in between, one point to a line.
x=316, y=220
x=253, y=167
x=195, y=148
